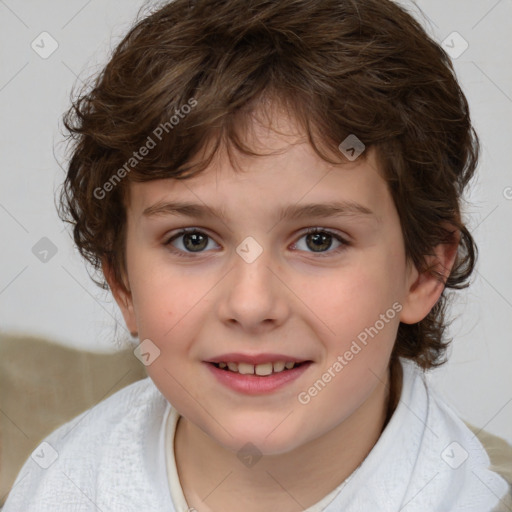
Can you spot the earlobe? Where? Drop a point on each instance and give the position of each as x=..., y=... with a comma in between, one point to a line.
x=122, y=296
x=424, y=289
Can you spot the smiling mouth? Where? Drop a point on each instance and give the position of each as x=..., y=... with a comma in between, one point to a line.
x=262, y=369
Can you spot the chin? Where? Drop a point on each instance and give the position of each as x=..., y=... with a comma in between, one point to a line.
x=260, y=440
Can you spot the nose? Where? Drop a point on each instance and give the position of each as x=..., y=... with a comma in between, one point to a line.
x=253, y=296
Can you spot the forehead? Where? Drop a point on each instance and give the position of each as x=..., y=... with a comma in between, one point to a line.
x=288, y=173
x=268, y=193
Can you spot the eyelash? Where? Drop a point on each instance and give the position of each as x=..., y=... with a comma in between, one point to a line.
x=310, y=231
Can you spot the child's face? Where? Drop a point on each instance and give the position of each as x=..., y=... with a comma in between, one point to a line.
x=290, y=300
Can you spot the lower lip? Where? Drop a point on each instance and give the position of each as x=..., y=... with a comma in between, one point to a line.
x=256, y=384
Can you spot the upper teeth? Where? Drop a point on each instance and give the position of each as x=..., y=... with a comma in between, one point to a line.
x=259, y=369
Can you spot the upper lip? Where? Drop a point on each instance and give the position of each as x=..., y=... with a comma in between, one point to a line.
x=254, y=359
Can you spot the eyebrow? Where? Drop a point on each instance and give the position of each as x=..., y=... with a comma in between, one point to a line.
x=293, y=211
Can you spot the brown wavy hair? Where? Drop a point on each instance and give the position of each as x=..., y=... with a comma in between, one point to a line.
x=340, y=67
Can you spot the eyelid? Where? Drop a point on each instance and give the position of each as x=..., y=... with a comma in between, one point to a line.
x=344, y=236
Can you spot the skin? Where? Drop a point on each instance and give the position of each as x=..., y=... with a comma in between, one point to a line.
x=289, y=300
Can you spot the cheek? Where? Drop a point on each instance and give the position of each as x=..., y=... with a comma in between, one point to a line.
x=360, y=306
x=354, y=297
x=169, y=303
x=362, y=313
x=159, y=305
x=159, y=295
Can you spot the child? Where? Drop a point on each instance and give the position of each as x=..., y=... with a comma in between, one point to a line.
x=314, y=154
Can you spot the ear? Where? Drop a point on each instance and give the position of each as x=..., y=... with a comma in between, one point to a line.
x=424, y=290
x=122, y=295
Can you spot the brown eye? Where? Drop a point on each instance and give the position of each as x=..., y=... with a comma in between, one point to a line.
x=320, y=241
x=195, y=241
x=191, y=241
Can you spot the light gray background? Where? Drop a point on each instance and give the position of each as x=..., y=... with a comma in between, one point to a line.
x=58, y=300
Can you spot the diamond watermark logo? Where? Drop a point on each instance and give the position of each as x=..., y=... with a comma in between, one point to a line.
x=44, y=455
x=146, y=352
x=44, y=250
x=454, y=455
x=455, y=45
x=249, y=249
x=249, y=455
x=352, y=147
x=44, y=45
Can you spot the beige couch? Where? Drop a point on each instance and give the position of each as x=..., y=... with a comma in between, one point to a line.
x=43, y=385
